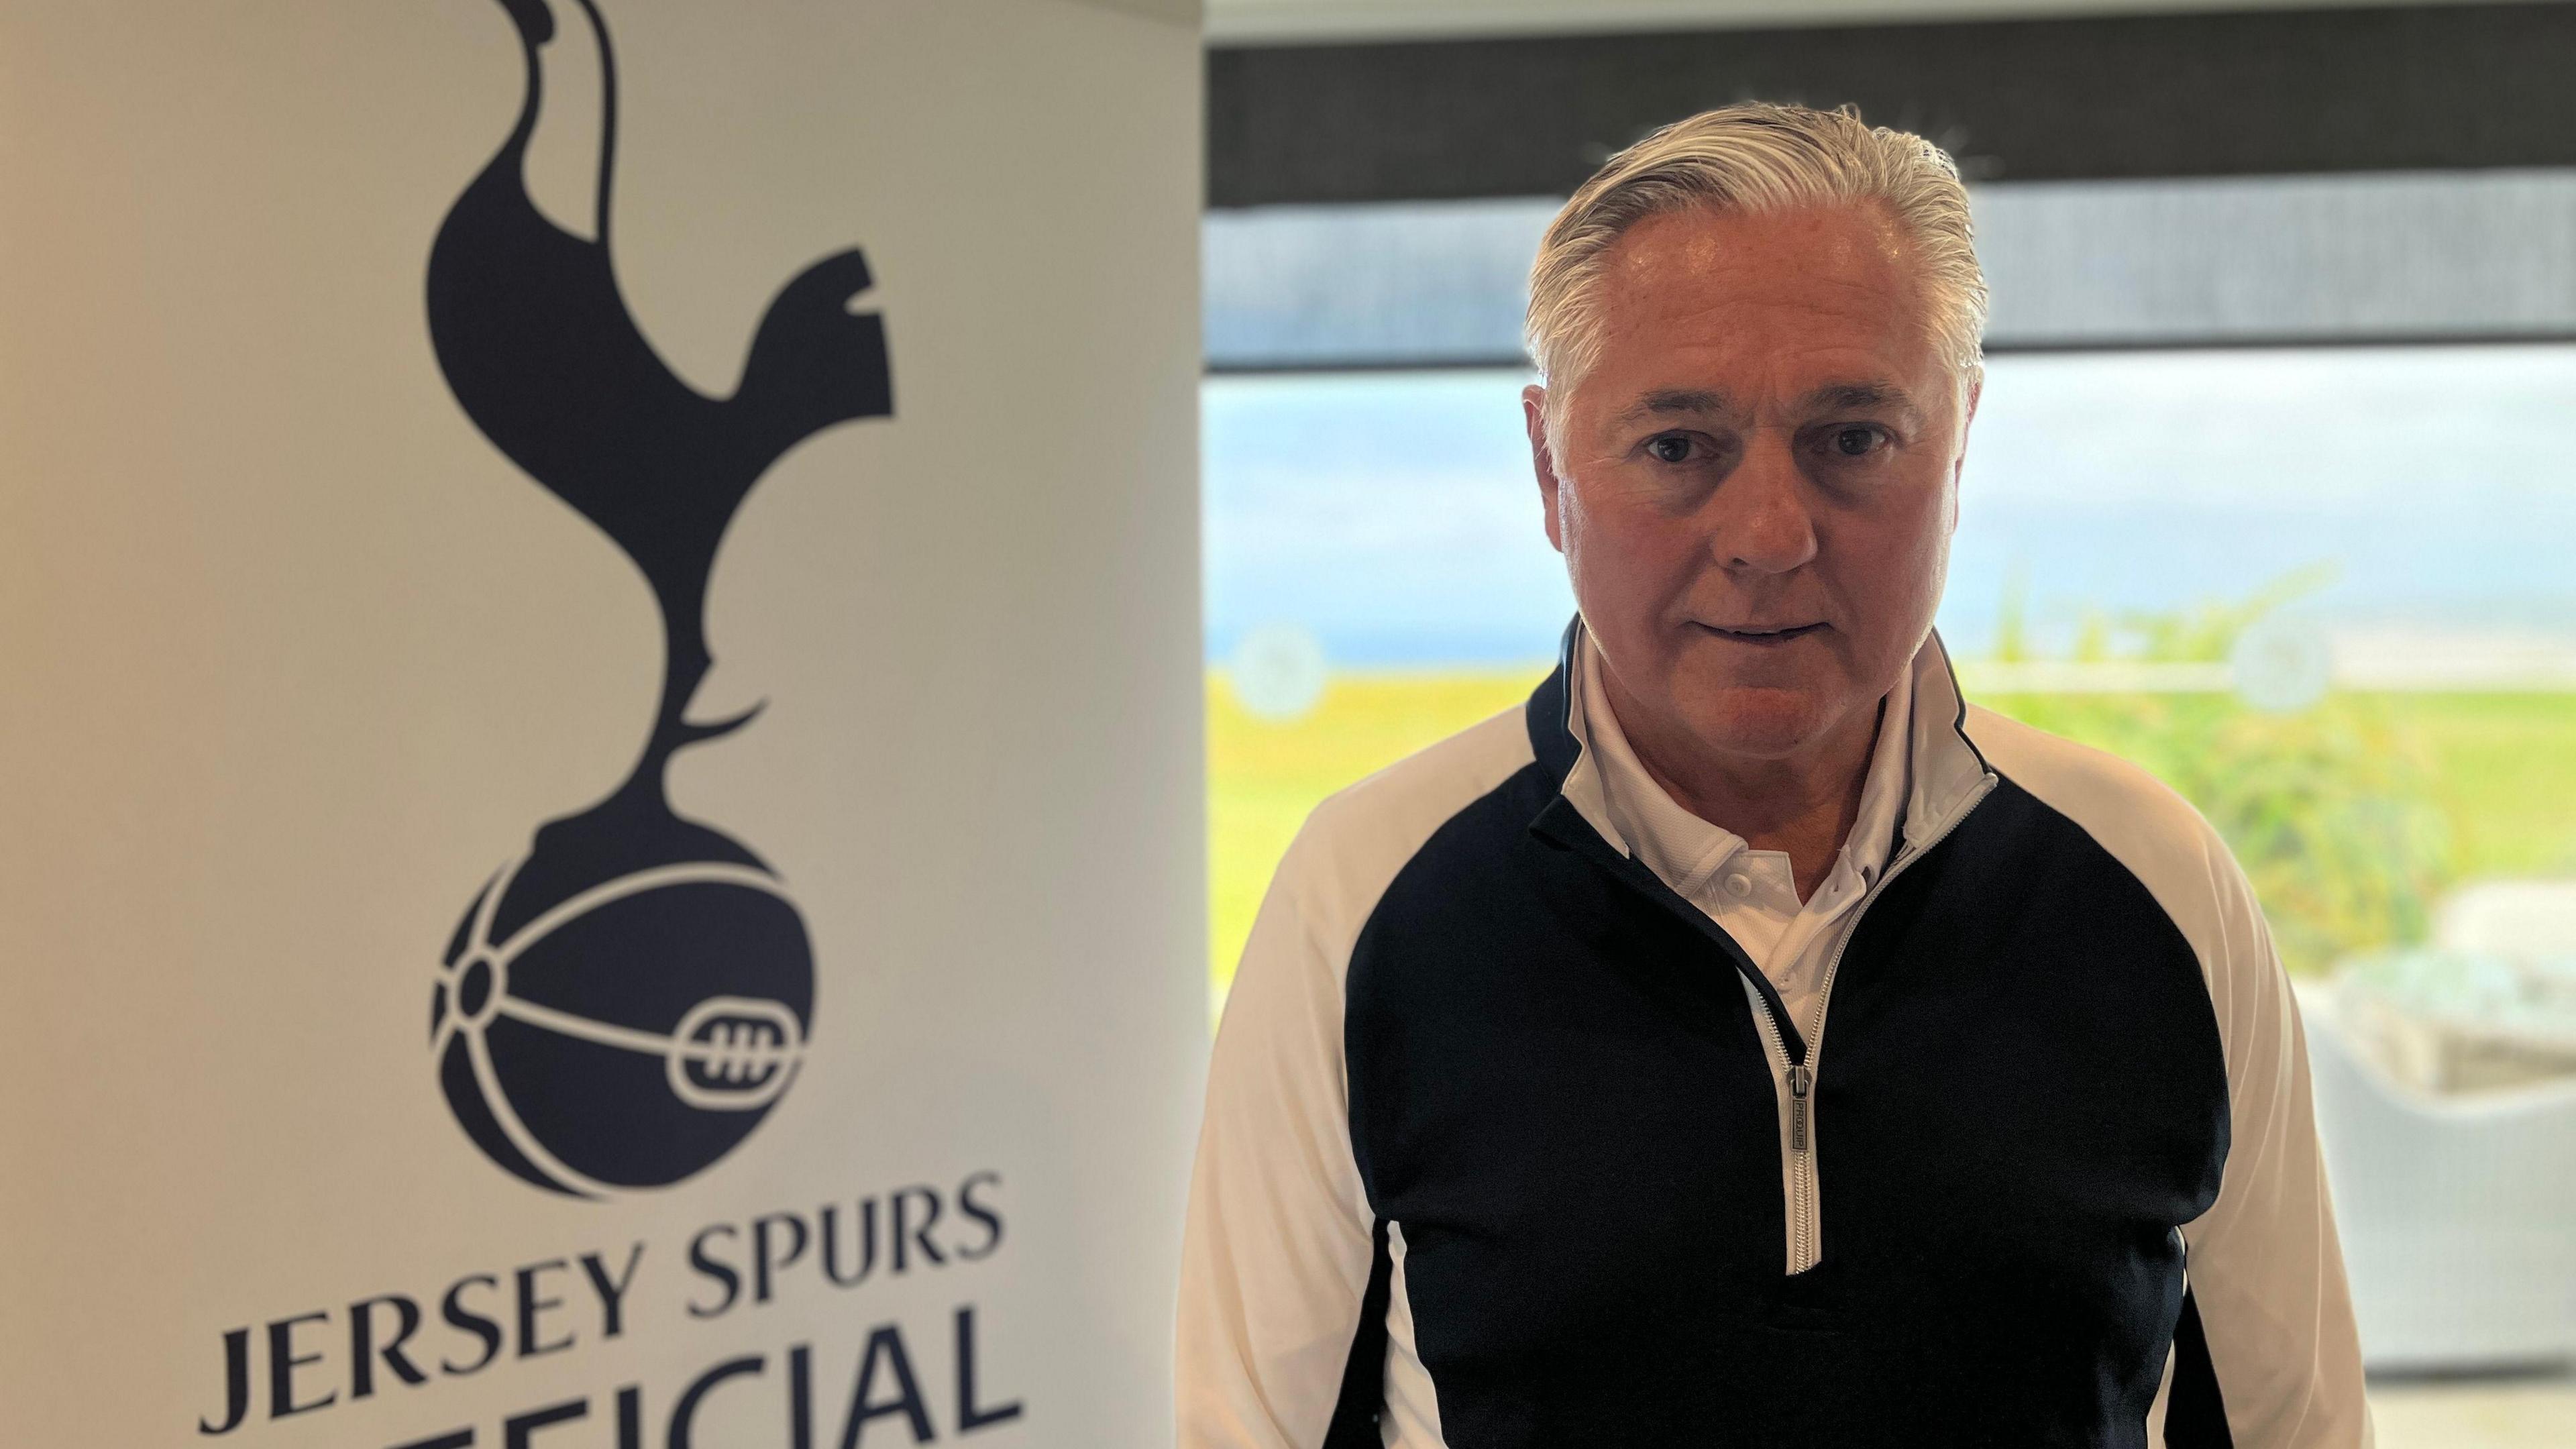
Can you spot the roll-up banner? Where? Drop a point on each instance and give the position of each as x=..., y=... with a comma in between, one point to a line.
x=600, y=838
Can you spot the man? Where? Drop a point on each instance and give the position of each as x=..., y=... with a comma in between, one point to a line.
x=1747, y=1042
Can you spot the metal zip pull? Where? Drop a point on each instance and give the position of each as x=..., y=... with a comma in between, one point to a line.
x=1800, y=1079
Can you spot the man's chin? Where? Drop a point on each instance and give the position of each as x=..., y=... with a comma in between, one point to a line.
x=1759, y=723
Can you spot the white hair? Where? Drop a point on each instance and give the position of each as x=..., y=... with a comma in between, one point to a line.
x=1758, y=157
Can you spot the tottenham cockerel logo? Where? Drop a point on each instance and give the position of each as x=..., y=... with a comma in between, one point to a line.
x=623, y=1003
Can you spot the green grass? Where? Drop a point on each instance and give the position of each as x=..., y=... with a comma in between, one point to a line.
x=2505, y=771
x=2349, y=816
x=1264, y=777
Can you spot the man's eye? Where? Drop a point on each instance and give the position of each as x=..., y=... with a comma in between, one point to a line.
x=1855, y=441
x=1670, y=448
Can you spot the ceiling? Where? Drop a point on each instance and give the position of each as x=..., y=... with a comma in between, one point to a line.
x=1259, y=22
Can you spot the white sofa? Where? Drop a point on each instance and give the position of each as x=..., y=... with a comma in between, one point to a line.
x=2458, y=1211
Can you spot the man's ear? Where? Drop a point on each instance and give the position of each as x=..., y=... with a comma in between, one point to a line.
x=1543, y=461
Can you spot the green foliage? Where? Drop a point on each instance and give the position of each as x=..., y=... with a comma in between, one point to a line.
x=2330, y=810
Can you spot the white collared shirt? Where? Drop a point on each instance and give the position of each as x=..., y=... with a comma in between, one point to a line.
x=1752, y=894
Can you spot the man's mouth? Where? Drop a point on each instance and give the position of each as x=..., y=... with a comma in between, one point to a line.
x=1763, y=633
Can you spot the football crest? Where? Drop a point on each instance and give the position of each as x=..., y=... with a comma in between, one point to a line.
x=619, y=1008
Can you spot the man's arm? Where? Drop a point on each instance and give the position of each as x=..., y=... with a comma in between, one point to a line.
x=2266, y=1269
x=1276, y=1255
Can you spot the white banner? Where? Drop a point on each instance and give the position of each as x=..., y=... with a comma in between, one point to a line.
x=600, y=836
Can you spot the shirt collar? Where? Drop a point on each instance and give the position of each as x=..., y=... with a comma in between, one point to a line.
x=1920, y=774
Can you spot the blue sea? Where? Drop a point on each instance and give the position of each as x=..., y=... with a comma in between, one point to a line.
x=1392, y=516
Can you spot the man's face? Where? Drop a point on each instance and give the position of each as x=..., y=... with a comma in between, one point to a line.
x=1754, y=485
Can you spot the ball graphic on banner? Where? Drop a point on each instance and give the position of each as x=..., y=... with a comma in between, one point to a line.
x=621, y=1007
x=630, y=1035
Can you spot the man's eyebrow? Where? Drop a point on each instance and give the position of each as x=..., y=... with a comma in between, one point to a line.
x=1835, y=396
x=1677, y=401
x=1832, y=397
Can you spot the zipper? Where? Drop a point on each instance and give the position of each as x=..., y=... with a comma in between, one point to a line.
x=1805, y=1215
x=1793, y=1071
x=1804, y=1251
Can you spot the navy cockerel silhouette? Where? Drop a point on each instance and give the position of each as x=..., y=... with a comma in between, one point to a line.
x=619, y=1008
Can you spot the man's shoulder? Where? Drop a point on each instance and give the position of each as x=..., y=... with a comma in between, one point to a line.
x=1354, y=843
x=2121, y=805
x=2137, y=819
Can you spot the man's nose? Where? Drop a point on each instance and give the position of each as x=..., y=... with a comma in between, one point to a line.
x=1759, y=519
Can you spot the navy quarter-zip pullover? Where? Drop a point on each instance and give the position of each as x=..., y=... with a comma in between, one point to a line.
x=1508, y=1143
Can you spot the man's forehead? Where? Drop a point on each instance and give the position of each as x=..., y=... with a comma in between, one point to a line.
x=1849, y=240
x=1704, y=272
x=1714, y=312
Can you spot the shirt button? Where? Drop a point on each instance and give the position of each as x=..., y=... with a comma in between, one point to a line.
x=1739, y=886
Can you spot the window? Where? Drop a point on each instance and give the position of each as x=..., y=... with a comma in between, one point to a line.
x=2327, y=593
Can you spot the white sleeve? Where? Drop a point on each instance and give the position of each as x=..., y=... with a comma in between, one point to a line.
x=1278, y=1247
x=2265, y=1266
